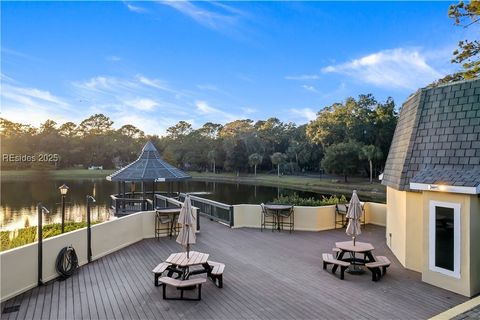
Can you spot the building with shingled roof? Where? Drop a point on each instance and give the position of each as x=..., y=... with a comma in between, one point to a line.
x=432, y=176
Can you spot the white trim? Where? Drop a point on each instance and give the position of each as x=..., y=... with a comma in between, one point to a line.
x=444, y=188
x=456, y=238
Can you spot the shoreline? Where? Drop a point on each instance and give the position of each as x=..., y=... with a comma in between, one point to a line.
x=374, y=192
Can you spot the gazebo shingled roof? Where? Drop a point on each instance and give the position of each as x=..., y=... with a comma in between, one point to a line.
x=149, y=167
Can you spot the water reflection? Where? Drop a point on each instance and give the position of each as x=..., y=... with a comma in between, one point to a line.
x=19, y=198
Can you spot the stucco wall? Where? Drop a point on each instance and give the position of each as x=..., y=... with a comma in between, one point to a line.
x=462, y=285
x=475, y=245
x=396, y=223
x=376, y=213
x=408, y=225
x=413, y=231
x=306, y=218
x=18, y=266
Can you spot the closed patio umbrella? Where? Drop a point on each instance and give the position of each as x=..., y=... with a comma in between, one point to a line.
x=354, y=214
x=186, y=236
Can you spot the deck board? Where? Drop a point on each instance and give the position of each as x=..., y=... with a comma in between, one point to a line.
x=268, y=275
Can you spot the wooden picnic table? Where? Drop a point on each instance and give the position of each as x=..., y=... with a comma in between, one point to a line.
x=359, y=247
x=181, y=264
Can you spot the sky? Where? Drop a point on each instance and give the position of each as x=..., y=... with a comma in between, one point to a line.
x=152, y=64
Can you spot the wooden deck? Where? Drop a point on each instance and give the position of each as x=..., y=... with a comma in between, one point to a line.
x=267, y=276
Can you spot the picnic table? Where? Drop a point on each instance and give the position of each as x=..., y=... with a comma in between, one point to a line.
x=181, y=264
x=360, y=247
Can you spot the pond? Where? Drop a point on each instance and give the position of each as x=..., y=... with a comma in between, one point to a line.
x=19, y=198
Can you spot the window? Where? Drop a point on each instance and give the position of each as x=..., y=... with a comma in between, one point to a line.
x=444, y=234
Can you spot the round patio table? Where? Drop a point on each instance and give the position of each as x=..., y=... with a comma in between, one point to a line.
x=277, y=208
x=359, y=247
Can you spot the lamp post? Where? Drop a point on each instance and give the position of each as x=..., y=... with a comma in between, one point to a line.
x=90, y=199
x=63, y=191
x=40, y=211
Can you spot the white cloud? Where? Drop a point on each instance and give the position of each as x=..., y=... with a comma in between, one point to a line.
x=204, y=108
x=310, y=88
x=209, y=18
x=305, y=113
x=133, y=100
x=32, y=105
x=114, y=58
x=303, y=77
x=398, y=68
x=30, y=96
x=248, y=110
x=220, y=116
x=134, y=8
x=209, y=87
x=143, y=104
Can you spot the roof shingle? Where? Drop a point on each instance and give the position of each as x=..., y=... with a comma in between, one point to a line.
x=437, y=137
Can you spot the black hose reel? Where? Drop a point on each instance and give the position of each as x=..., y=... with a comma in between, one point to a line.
x=67, y=262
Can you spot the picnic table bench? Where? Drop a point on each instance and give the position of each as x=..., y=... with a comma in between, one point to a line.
x=329, y=259
x=182, y=285
x=216, y=272
x=380, y=262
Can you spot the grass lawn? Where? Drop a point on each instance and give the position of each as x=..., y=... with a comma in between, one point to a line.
x=374, y=191
x=56, y=174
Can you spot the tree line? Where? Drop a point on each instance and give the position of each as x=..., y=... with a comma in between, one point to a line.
x=352, y=137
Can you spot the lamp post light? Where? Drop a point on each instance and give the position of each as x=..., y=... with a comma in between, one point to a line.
x=40, y=211
x=63, y=191
x=90, y=200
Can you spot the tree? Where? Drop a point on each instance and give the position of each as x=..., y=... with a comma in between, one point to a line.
x=342, y=158
x=254, y=160
x=48, y=127
x=68, y=129
x=235, y=128
x=341, y=122
x=277, y=158
x=182, y=128
x=131, y=131
x=212, y=155
x=236, y=158
x=96, y=125
x=371, y=153
x=210, y=130
x=468, y=52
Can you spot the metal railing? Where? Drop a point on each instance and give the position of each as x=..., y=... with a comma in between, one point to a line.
x=212, y=209
x=129, y=205
x=163, y=201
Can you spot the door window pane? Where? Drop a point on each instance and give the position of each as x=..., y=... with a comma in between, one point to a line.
x=444, y=240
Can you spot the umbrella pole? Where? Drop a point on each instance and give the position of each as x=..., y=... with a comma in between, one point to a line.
x=354, y=240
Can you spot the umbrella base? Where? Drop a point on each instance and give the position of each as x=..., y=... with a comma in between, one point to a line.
x=355, y=269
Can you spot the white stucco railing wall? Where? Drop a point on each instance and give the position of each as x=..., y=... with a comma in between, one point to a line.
x=307, y=218
x=18, y=266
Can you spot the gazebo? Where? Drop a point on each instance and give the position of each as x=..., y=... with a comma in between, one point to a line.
x=148, y=168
